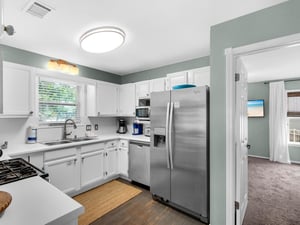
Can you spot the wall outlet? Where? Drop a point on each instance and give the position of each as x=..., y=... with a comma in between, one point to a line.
x=96, y=127
x=88, y=127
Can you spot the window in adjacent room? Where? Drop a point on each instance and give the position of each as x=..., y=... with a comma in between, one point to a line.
x=294, y=116
x=58, y=101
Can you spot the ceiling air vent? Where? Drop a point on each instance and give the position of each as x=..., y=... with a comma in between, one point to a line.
x=38, y=9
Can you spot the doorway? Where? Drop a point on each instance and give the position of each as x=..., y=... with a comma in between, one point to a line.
x=232, y=58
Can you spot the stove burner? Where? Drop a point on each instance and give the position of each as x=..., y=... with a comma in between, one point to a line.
x=16, y=169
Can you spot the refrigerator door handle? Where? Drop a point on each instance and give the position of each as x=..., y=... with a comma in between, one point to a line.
x=167, y=134
x=170, y=134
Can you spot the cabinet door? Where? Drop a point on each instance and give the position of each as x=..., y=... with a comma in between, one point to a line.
x=64, y=174
x=142, y=90
x=157, y=84
x=199, y=76
x=107, y=99
x=123, y=161
x=92, y=166
x=127, y=100
x=35, y=159
x=91, y=102
x=17, y=89
x=176, y=79
x=111, y=161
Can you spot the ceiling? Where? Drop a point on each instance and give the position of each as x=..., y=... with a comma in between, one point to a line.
x=279, y=64
x=158, y=32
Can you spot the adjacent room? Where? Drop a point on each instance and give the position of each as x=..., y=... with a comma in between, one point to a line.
x=273, y=136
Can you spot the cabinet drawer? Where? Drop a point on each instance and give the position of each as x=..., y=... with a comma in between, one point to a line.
x=61, y=153
x=111, y=144
x=123, y=144
x=92, y=147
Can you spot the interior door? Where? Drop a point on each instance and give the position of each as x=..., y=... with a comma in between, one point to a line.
x=241, y=140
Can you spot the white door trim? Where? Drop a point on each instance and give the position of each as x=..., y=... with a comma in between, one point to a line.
x=231, y=56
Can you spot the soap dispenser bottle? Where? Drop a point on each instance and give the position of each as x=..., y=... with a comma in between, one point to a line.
x=31, y=135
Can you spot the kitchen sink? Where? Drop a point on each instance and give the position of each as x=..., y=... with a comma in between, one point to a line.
x=80, y=139
x=58, y=142
x=67, y=141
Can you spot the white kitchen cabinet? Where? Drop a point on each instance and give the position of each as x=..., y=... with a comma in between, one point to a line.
x=123, y=158
x=111, y=159
x=92, y=167
x=91, y=100
x=199, y=76
x=158, y=84
x=107, y=99
x=36, y=159
x=176, y=79
x=63, y=168
x=17, y=90
x=127, y=100
x=142, y=90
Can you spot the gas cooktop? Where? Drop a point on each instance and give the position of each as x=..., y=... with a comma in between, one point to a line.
x=17, y=169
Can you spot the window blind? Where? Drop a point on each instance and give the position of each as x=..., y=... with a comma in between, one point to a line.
x=58, y=101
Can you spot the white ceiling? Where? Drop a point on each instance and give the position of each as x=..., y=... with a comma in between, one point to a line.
x=279, y=64
x=158, y=32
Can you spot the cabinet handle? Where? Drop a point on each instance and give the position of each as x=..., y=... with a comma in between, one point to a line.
x=75, y=160
x=31, y=112
x=69, y=163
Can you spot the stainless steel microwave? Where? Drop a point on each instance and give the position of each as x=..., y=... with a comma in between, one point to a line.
x=142, y=112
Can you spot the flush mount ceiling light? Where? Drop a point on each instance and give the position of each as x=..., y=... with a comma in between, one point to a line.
x=102, y=39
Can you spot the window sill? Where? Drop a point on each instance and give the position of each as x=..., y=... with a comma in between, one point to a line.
x=294, y=144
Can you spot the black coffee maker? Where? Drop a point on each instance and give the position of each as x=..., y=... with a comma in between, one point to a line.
x=122, y=127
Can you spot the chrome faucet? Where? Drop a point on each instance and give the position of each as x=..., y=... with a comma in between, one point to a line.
x=65, y=134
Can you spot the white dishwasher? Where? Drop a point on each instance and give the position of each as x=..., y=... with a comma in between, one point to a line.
x=139, y=162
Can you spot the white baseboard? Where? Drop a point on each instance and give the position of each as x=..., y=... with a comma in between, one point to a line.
x=263, y=157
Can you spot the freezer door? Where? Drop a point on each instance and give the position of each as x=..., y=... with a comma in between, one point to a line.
x=159, y=157
x=189, y=142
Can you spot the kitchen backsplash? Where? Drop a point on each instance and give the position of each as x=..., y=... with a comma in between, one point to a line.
x=15, y=130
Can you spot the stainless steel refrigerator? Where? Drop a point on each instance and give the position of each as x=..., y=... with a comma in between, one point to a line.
x=179, y=154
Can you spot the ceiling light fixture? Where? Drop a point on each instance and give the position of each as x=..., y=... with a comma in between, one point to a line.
x=102, y=39
x=63, y=66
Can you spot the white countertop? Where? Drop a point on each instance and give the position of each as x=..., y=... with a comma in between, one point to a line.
x=36, y=202
x=19, y=149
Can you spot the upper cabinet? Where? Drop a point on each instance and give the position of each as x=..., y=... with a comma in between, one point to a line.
x=17, y=90
x=107, y=99
x=142, y=89
x=127, y=100
x=158, y=84
x=91, y=99
x=101, y=99
x=199, y=77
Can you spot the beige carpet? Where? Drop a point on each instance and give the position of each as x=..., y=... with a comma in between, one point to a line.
x=101, y=200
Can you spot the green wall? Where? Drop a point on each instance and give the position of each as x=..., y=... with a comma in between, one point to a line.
x=162, y=71
x=258, y=128
x=16, y=55
x=270, y=23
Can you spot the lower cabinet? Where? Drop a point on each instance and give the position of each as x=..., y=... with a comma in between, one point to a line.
x=123, y=158
x=63, y=168
x=77, y=169
x=63, y=174
x=92, y=169
x=111, y=162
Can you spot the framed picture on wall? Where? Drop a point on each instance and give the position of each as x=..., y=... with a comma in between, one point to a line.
x=256, y=108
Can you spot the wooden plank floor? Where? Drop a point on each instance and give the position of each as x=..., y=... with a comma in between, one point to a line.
x=143, y=210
